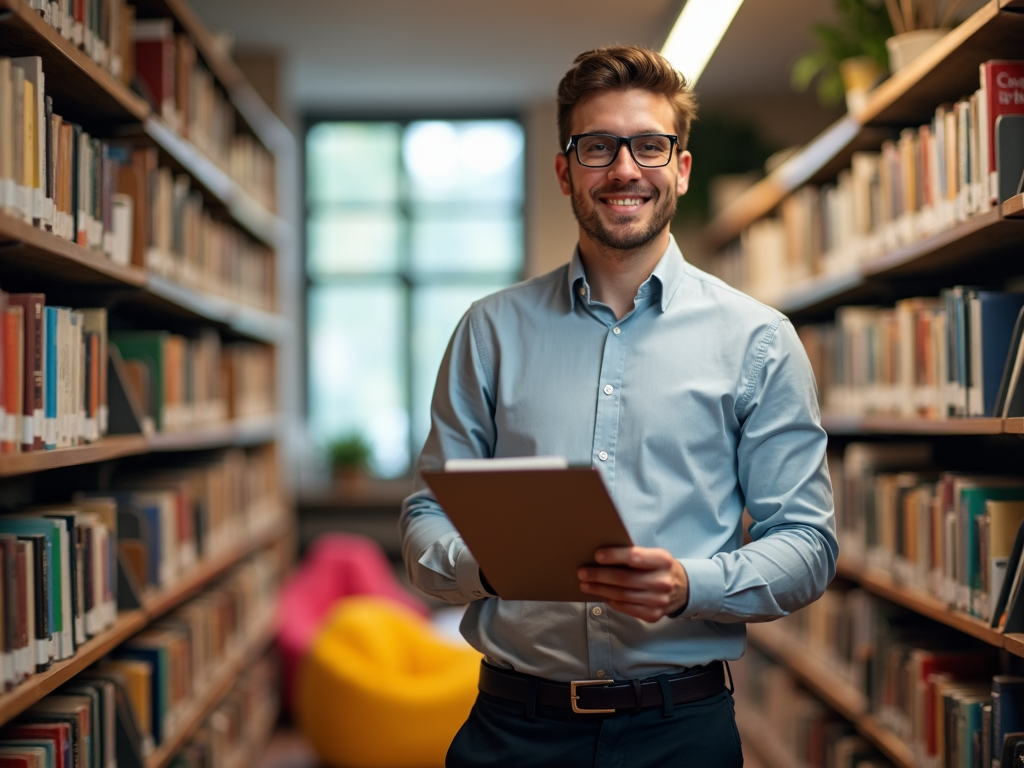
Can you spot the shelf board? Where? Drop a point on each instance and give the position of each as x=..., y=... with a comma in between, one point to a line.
x=219, y=686
x=895, y=425
x=883, y=585
x=156, y=604
x=1014, y=207
x=987, y=233
x=252, y=431
x=111, y=447
x=246, y=321
x=253, y=217
x=28, y=248
x=943, y=73
x=822, y=682
x=82, y=91
x=36, y=687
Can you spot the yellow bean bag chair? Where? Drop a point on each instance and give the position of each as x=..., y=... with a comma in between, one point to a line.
x=379, y=689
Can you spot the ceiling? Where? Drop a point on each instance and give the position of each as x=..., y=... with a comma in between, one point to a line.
x=474, y=55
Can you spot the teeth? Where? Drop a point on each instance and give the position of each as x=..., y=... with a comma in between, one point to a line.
x=626, y=201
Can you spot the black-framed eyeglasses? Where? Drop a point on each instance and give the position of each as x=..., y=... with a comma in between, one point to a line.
x=598, y=150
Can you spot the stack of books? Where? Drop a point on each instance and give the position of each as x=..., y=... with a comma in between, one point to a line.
x=101, y=28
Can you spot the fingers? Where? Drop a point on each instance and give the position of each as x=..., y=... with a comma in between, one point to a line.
x=658, y=581
x=643, y=558
x=646, y=597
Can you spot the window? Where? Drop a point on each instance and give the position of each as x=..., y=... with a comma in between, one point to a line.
x=407, y=223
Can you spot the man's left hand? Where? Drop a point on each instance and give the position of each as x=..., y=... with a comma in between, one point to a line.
x=647, y=583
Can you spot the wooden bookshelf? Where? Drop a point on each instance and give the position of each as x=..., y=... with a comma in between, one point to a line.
x=219, y=686
x=87, y=93
x=984, y=239
x=1014, y=207
x=821, y=680
x=1012, y=5
x=36, y=687
x=253, y=431
x=943, y=73
x=130, y=623
x=110, y=447
x=894, y=425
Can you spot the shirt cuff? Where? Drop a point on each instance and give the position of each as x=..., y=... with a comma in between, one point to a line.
x=467, y=575
x=707, y=589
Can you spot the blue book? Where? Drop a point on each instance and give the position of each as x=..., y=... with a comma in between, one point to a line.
x=992, y=317
x=50, y=381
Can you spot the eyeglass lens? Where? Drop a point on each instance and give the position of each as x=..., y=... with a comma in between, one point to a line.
x=598, y=151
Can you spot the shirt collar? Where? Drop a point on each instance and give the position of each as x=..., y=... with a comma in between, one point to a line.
x=666, y=276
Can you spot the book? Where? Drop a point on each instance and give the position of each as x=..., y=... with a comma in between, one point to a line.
x=34, y=365
x=1002, y=83
x=992, y=318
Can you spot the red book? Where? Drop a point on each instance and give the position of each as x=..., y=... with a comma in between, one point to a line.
x=60, y=733
x=14, y=383
x=32, y=305
x=154, y=62
x=14, y=761
x=1002, y=82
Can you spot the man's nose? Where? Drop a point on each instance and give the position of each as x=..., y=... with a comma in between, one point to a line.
x=623, y=168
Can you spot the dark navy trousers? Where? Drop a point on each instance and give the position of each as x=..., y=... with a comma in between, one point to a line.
x=502, y=734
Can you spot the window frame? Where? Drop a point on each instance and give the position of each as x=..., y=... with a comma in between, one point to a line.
x=404, y=274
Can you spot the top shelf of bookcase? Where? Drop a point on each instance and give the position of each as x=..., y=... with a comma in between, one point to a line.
x=945, y=72
x=87, y=94
x=267, y=127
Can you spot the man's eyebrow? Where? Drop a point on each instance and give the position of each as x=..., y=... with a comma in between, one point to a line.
x=643, y=132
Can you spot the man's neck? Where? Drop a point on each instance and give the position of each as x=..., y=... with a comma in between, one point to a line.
x=615, y=275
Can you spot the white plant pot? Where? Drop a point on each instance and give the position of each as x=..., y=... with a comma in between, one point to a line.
x=906, y=47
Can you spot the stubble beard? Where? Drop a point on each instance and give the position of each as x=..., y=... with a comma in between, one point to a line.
x=625, y=238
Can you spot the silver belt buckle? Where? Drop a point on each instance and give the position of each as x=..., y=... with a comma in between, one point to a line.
x=574, y=697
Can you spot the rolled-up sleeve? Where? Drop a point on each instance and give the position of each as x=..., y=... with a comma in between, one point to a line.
x=782, y=472
x=462, y=426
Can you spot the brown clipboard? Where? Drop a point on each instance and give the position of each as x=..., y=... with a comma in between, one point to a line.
x=531, y=529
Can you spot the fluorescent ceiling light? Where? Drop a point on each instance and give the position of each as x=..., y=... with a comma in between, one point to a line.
x=697, y=33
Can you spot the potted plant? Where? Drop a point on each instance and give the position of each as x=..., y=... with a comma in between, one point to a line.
x=851, y=57
x=918, y=24
x=349, y=456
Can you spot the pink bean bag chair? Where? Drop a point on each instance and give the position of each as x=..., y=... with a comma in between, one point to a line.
x=336, y=566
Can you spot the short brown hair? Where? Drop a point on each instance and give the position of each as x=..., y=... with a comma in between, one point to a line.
x=620, y=68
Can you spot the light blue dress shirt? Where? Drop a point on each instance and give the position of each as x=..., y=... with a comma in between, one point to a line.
x=697, y=403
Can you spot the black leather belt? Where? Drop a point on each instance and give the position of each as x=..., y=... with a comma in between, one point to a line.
x=604, y=696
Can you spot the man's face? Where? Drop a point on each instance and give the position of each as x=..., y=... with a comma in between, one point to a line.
x=623, y=206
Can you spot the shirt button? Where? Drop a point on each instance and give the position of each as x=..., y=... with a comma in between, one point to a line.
x=601, y=673
x=603, y=455
x=596, y=610
x=616, y=330
x=608, y=389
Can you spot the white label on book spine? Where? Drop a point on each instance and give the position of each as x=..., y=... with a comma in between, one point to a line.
x=11, y=428
x=37, y=204
x=28, y=430
x=42, y=651
x=7, y=194
x=91, y=430
x=104, y=418
x=38, y=418
x=50, y=432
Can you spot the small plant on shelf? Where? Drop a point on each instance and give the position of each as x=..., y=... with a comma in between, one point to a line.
x=350, y=456
x=855, y=47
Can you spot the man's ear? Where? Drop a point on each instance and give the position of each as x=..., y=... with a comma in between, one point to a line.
x=562, y=172
x=685, y=164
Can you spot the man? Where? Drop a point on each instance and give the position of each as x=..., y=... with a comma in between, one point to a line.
x=691, y=399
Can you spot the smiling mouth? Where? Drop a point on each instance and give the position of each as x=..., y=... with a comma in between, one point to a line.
x=624, y=203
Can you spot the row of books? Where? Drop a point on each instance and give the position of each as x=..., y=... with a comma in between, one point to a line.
x=61, y=564
x=782, y=720
x=59, y=583
x=115, y=198
x=186, y=96
x=175, y=235
x=53, y=374
x=948, y=534
x=967, y=159
x=117, y=711
x=101, y=28
x=943, y=697
x=174, y=661
x=181, y=383
x=147, y=55
x=959, y=354
x=243, y=720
